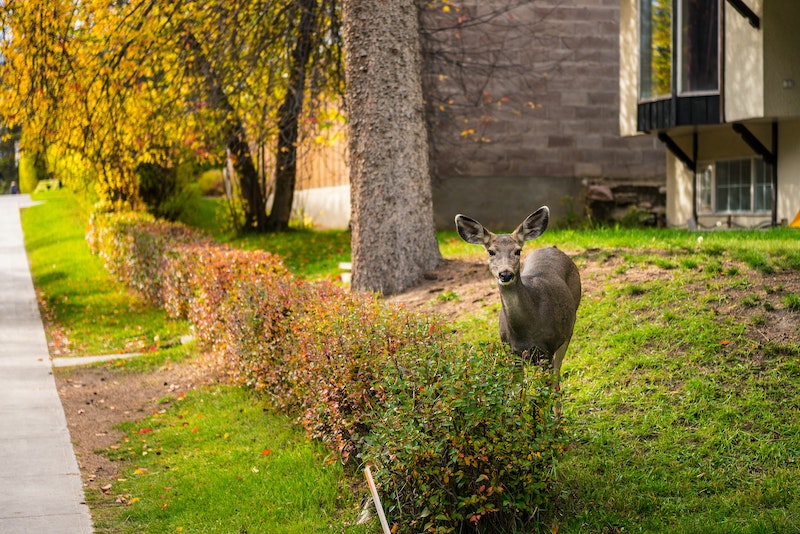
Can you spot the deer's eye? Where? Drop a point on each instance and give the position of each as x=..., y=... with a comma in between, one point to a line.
x=492, y=253
x=517, y=252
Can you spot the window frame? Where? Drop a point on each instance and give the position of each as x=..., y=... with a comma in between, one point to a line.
x=688, y=108
x=703, y=192
x=678, y=52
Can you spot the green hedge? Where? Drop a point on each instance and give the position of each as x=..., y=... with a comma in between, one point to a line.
x=461, y=439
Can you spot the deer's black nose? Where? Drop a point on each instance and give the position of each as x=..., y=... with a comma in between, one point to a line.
x=506, y=276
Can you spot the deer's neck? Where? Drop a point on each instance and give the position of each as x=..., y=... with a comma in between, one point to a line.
x=518, y=324
x=518, y=304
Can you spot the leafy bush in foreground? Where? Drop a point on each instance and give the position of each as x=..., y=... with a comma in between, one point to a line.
x=462, y=443
x=461, y=439
x=345, y=362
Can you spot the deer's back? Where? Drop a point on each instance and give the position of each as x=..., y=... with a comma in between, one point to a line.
x=551, y=269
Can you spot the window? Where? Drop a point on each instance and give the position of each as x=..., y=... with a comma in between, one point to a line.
x=698, y=46
x=655, y=77
x=762, y=184
x=692, y=27
x=734, y=186
x=705, y=189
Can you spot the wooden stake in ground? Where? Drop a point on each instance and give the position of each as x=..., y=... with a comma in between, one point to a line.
x=376, y=500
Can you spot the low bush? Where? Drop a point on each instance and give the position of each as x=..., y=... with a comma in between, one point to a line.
x=318, y=350
x=133, y=247
x=342, y=362
x=461, y=439
x=199, y=279
x=461, y=443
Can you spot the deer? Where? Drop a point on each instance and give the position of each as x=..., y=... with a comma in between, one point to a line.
x=539, y=297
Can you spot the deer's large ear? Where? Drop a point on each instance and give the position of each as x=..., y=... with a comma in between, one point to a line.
x=471, y=230
x=534, y=225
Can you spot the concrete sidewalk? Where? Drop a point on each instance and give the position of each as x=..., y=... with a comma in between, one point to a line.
x=40, y=483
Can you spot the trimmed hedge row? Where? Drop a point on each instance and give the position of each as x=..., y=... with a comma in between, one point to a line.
x=461, y=438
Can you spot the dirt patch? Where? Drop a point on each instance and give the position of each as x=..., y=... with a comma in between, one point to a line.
x=97, y=399
x=455, y=288
x=458, y=286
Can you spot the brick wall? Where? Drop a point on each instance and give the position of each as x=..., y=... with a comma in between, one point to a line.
x=523, y=110
x=533, y=93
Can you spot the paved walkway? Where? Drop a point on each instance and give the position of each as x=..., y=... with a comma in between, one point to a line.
x=40, y=483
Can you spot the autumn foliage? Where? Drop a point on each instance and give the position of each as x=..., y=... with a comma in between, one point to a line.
x=459, y=437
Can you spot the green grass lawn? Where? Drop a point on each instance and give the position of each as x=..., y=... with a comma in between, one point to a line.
x=311, y=254
x=682, y=394
x=220, y=460
x=89, y=312
x=217, y=460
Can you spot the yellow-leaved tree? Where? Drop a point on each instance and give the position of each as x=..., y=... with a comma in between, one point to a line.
x=154, y=83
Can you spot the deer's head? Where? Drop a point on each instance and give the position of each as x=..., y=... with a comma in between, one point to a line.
x=504, y=249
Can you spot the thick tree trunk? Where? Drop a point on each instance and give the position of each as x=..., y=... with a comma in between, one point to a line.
x=394, y=239
x=289, y=120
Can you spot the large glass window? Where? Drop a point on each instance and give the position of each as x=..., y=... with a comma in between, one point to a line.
x=698, y=46
x=762, y=186
x=734, y=186
x=655, y=79
x=695, y=27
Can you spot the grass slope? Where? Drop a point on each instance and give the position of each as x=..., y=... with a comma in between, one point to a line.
x=215, y=460
x=682, y=383
x=684, y=388
x=86, y=310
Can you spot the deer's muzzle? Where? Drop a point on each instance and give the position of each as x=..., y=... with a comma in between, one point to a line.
x=506, y=277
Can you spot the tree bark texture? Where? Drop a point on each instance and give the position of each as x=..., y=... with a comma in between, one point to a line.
x=393, y=234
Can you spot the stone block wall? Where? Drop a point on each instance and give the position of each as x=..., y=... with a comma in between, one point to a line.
x=522, y=91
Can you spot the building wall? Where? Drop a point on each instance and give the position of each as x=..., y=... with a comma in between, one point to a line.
x=743, y=65
x=322, y=151
x=679, y=193
x=533, y=122
x=788, y=169
x=628, y=66
x=781, y=64
x=543, y=135
x=324, y=207
x=504, y=203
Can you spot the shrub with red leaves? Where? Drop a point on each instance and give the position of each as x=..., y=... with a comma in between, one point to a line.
x=460, y=439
